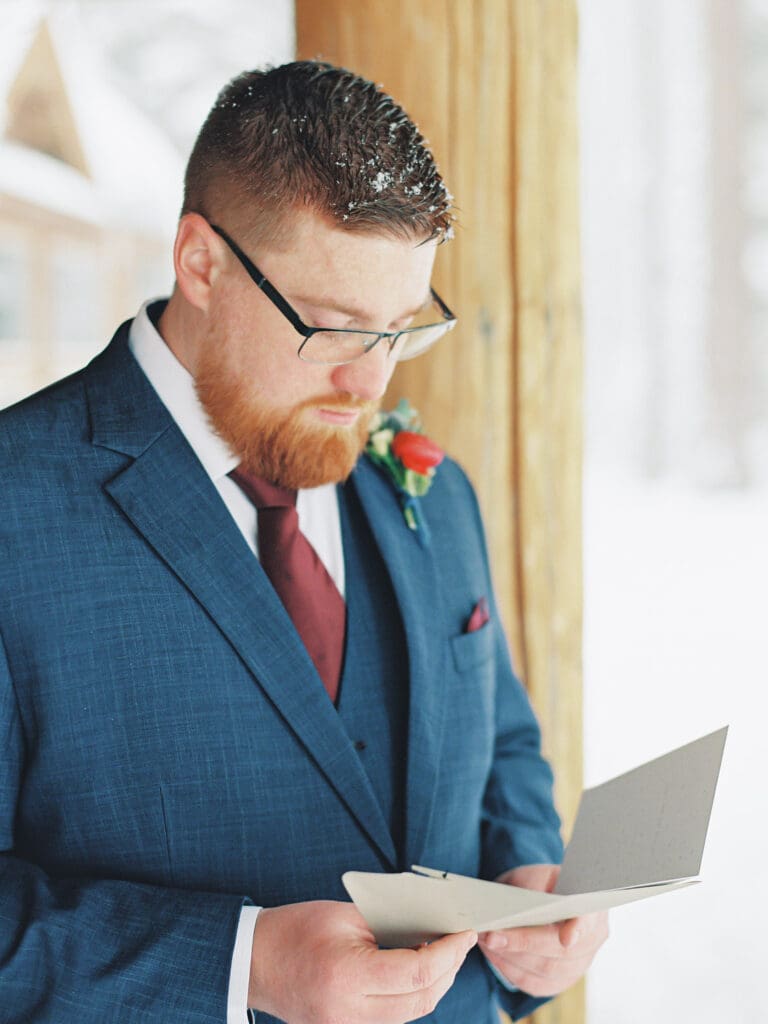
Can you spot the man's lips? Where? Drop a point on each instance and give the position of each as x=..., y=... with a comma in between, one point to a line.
x=342, y=417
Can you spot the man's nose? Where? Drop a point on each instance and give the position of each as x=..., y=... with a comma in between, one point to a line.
x=367, y=377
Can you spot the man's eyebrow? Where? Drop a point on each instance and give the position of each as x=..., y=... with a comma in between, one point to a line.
x=353, y=311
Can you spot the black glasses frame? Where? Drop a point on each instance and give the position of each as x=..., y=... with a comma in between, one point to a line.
x=290, y=314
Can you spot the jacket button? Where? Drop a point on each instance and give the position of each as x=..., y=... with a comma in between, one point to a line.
x=360, y=744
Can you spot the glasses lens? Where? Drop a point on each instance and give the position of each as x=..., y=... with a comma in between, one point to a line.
x=336, y=347
x=418, y=341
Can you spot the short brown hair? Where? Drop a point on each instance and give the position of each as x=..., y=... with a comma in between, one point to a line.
x=314, y=134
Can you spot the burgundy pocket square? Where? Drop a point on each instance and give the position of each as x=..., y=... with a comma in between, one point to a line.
x=480, y=615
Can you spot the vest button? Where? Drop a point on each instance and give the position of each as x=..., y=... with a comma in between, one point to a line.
x=360, y=744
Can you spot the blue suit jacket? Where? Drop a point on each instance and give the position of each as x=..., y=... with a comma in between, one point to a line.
x=166, y=751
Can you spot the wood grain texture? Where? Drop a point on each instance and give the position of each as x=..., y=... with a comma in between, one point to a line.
x=492, y=86
x=547, y=410
x=450, y=65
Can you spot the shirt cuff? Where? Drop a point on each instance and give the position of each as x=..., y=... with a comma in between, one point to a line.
x=240, y=970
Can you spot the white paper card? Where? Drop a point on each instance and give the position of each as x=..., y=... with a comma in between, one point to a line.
x=651, y=821
x=636, y=836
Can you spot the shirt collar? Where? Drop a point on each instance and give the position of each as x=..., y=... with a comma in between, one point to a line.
x=175, y=387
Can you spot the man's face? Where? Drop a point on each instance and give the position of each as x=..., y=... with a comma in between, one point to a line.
x=292, y=422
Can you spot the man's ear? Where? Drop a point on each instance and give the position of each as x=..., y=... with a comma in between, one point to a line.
x=197, y=256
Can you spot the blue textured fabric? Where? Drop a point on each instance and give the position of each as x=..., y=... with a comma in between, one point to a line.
x=167, y=750
x=373, y=696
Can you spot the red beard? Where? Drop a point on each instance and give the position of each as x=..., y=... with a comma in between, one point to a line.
x=282, y=447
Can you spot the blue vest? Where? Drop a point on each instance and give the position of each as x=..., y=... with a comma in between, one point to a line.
x=373, y=695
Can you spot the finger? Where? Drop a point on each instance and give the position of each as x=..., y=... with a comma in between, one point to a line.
x=570, y=933
x=586, y=932
x=399, y=971
x=542, y=966
x=579, y=934
x=541, y=939
x=532, y=984
x=379, y=1009
x=543, y=977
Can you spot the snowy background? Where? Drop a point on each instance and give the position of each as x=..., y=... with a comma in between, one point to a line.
x=674, y=137
x=674, y=110
x=171, y=57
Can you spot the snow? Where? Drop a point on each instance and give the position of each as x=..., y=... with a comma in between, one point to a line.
x=40, y=179
x=676, y=589
x=676, y=585
x=676, y=576
x=133, y=162
x=136, y=174
x=382, y=180
x=19, y=22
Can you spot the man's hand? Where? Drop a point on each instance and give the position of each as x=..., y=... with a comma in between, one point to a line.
x=319, y=962
x=545, y=960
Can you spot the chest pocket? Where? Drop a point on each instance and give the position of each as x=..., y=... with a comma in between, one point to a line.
x=472, y=649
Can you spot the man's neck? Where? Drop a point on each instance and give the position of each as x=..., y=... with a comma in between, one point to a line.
x=178, y=329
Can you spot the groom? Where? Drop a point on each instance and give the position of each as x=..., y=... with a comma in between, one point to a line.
x=230, y=669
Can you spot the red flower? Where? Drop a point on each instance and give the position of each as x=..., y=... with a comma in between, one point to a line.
x=416, y=451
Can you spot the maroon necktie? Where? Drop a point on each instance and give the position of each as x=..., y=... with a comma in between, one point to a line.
x=298, y=575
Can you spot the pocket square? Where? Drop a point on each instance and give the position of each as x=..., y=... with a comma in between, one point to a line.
x=480, y=615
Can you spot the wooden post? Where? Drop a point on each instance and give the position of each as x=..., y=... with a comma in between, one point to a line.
x=492, y=86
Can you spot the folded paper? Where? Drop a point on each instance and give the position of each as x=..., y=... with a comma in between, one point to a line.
x=636, y=836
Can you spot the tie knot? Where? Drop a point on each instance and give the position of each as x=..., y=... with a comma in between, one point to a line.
x=262, y=493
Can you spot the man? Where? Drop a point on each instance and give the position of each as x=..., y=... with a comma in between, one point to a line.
x=190, y=733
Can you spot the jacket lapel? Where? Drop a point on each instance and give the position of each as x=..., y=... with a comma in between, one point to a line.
x=170, y=500
x=414, y=579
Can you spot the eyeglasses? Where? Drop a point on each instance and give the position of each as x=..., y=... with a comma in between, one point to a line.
x=337, y=346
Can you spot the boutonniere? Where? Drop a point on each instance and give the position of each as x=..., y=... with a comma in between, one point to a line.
x=397, y=445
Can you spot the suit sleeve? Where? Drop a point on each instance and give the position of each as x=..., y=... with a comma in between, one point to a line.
x=83, y=950
x=520, y=823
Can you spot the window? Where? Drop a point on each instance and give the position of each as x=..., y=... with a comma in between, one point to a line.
x=13, y=272
x=77, y=284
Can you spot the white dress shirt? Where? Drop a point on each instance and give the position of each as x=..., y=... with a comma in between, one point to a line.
x=318, y=513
